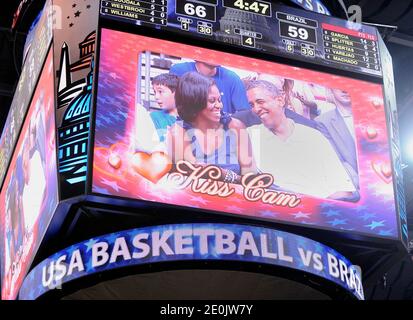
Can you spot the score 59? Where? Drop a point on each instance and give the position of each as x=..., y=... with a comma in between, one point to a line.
x=298, y=32
x=198, y=10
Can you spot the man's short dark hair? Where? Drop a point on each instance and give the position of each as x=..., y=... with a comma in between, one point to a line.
x=263, y=84
x=191, y=95
x=166, y=79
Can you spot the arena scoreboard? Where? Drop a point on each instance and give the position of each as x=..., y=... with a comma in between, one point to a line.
x=261, y=25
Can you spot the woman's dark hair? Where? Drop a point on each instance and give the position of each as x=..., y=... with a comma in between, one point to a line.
x=191, y=95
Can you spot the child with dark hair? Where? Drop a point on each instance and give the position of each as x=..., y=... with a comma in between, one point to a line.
x=164, y=86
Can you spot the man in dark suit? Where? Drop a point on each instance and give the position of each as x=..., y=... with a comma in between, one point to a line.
x=340, y=126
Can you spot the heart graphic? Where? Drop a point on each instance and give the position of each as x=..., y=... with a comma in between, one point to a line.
x=386, y=170
x=108, y=161
x=371, y=132
x=115, y=161
x=383, y=170
x=376, y=104
x=151, y=166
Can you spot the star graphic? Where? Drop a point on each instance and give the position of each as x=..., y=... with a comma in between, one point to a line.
x=199, y=200
x=161, y=196
x=374, y=224
x=337, y=222
x=234, y=209
x=361, y=208
x=100, y=190
x=111, y=238
x=74, y=5
x=89, y=266
x=301, y=215
x=367, y=216
x=77, y=13
x=268, y=213
x=111, y=184
x=132, y=233
x=331, y=213
x=71, y=25
x=90, y=244
x=386, y=233
x=326, y=205
x=71, y=249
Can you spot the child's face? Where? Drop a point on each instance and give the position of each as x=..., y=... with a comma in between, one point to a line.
x=164, y=97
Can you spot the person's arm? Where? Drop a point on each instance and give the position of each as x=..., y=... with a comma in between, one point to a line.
x=180, y=148
x=244, y=147
x=146, y=136
x=337, y=179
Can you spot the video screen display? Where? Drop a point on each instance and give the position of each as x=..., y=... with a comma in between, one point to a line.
x=29, y=195
x=200, y=128
x=34, y=57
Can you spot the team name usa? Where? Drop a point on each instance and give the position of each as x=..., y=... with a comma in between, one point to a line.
x=208, y=180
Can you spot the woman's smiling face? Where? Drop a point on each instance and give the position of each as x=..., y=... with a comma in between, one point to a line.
x=212, y=111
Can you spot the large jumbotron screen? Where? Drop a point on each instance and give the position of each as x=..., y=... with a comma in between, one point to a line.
x=188, y=126
x=29, y=195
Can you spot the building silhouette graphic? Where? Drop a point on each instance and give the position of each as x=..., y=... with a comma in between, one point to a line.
x=73, y=133
x=236, y=19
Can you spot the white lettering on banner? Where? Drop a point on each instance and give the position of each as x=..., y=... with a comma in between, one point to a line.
x=305, y=256
x=264, y=247
x=320, y=8
x=76, y=262
x=203, y=235
x=281, y=251
x=308, y=257
x=338, y=269
x=247, y=243
x=120, y=249
x=225, y=242
x=99, y=254
x=60, y=269
x=318, y=262
x=183, y=238
x=333, y=266
x=160, y=242
x=316, y=7
x=343, y=272
x=138, y=243
x=47, y=276
x=203, y=241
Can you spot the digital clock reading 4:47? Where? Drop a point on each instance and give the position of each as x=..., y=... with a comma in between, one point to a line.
x=257, y=7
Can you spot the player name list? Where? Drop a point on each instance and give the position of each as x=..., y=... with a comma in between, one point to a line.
x=351, y=47
x=149, y=11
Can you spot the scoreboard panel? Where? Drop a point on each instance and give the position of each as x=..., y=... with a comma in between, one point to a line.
x=261, y=26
